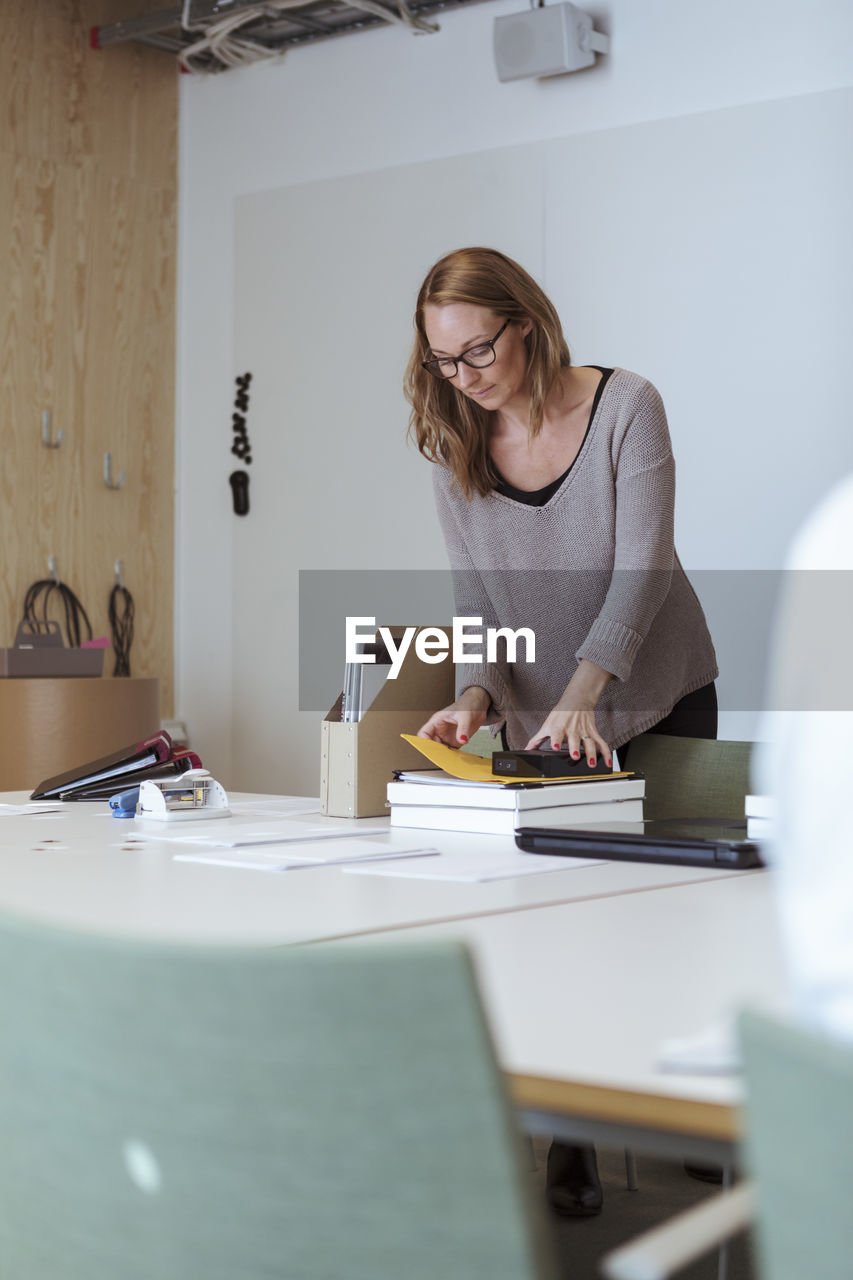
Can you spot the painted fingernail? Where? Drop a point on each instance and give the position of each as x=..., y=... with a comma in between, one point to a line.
x=591, y=761
x=576, y=755
x=556, y=746
x=610, y=764
x=463, y=737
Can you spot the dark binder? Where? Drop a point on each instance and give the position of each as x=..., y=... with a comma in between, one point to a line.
x=178, y=763
x=151, y=758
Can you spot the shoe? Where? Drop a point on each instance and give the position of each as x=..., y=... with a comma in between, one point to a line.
x=572, y=1187
x=704, y=1172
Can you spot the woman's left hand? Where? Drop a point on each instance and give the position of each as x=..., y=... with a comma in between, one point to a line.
x=572, y=721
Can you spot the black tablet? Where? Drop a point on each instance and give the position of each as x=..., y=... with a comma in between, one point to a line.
x=686, y=842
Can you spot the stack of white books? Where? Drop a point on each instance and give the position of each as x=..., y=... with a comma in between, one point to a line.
x=435, y=800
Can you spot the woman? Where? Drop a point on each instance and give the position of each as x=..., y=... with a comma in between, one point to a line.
x=555, y=489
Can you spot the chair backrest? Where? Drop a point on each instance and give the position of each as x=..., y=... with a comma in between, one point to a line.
x=799, y=1149
x=691, y=777
x=329, y=1111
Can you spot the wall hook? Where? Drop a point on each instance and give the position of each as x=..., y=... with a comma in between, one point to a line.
x=119, y=574
x=52, y=570
x=108, y=474
x=45, y=432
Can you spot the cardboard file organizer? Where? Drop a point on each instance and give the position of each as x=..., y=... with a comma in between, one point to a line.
x=358, y=760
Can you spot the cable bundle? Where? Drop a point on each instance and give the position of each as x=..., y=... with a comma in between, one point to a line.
x=221, y=40
x=75, y=614
x=121, y=627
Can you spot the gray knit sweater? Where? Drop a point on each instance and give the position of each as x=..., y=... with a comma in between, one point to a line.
x=593, y=573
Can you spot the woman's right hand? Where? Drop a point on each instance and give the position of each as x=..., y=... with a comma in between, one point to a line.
x=455, y=724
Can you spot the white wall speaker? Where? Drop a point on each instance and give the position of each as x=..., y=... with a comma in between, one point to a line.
x=548, y=41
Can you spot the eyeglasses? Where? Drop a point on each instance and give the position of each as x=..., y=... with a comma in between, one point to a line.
x=478, y=357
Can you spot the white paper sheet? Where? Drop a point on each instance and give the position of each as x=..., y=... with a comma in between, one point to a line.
x=713, y=1051
x=275, y=807
x=293, y=857
x=474, y=867
x=223, y=833
x=37, y=807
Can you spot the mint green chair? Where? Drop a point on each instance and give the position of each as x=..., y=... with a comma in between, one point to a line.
x=307, y=1113
x=799, y=1149
x=799, y=1155
x=691, y=777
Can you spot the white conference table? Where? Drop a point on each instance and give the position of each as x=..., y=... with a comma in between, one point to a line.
x=82, y=867
x=584, y=970
x=582, y=996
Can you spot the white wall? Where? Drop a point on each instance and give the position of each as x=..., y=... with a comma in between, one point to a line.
x=385, y=99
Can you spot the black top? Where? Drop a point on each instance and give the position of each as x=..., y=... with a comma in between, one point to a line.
x=538, y=497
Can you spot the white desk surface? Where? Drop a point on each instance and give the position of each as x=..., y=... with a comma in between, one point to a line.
x=582, y=997
x=585, y=972
x=90, y=880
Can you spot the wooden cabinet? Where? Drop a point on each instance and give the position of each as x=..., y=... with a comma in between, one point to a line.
x=50, y=726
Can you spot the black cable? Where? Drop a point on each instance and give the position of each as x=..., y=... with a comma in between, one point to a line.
x=121, y=628
x=75, y=614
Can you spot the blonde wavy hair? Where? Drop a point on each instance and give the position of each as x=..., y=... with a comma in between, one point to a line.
x=448, y=428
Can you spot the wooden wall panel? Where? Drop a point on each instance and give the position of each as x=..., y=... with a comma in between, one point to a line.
x=87, y=315
x=20, y=460
x=37, y=75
